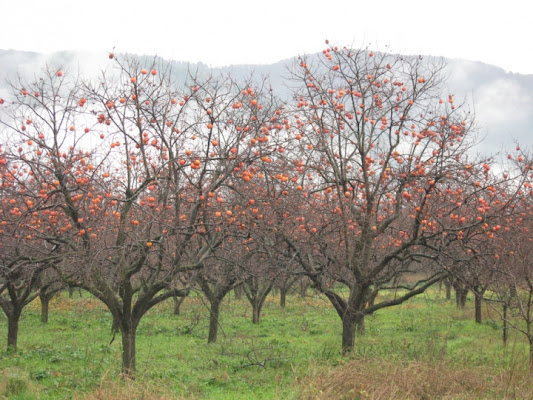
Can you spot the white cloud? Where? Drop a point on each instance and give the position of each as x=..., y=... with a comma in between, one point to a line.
x=503, y=101
x=237, y=31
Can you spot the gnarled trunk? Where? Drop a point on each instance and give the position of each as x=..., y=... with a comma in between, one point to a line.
x=215, y=293
x=115, y=325
x=283, y=297
x=178, y=301
x=460, y=297
x=505, y=327
x=256, y=312
x=304, y=284
x=352, y=323
x=448, y=287
x=478, y=309
x=348, y=333
x=213, y=321
x=129, y=329
x=45, y=306
x=238, y=290
x=360, y=324
x=464, y=294
x=13, y=330
x=257, y=292
x=258, y=303
x=478, y=297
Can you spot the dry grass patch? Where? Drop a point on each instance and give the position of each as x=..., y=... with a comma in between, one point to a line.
x=130, y=390
x=382, y=379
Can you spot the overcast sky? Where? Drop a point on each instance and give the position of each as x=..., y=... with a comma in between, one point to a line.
x=223, y=32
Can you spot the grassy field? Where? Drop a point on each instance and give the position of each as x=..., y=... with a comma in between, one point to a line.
x=423, y=349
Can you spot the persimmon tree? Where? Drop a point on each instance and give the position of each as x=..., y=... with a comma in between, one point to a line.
x=510, y=289
x=27, y=250
x=498, y=202
x=195, y=148
x=268, y=204
x=379, y=145
x=257, y=287
x=512, y=283
x=19, y=285
x=469, y=269
x=284, y=282
x=50, y=285
x=221, y=274
x=245, y=258
x=470, y=255
x=134, y=166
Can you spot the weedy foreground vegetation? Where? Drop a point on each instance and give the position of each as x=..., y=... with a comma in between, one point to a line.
x=425, y=348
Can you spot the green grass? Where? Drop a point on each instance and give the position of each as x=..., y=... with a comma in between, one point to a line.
x=71, y=356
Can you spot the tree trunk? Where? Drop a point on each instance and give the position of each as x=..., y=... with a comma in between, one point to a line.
x=71, y=290
x=531, y=356
x=348, y=334
x=477, y=298
x=213, y=321
x=178, y=301
x=372, y=297
x=238, y=290
x=115, y=325
x=304, y=284
x=128, y=348
x=448, y=286
x=256, y=311
x=360, y=323
x=460, y=297
x=13, y=330
x=464, y=293
x=283, y=297
x=45, y=303
x=505, y=324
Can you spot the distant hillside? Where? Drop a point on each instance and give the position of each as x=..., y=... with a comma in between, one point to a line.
x=502, y=102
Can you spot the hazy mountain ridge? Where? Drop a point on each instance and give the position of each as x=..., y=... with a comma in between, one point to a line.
x=502, y=101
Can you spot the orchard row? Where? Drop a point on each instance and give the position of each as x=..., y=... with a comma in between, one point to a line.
x=136, y=188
